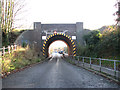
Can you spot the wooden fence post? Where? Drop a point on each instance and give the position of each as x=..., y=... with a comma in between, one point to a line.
x=15, y=47
x=12, y=48
x=9, y=49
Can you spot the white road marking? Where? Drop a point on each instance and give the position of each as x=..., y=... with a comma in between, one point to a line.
x=57, y=60
x=51, y=59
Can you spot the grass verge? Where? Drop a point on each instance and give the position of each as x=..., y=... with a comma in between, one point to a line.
x=19, y=59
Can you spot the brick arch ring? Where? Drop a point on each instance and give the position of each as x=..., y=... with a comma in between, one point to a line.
x=59, y=36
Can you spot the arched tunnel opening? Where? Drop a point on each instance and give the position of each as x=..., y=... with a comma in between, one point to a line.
x=62, y=37
x=59, y=47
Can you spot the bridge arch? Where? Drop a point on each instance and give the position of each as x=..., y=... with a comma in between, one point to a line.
x=59, y=36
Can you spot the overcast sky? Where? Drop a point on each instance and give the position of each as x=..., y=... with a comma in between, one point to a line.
x=93, y=13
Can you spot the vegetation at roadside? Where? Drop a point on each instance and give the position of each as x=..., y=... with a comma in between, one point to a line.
x=102, y=45
x=14, y=34
x=19, y=59
x=9, y=10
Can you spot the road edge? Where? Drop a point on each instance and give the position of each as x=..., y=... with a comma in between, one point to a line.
x=21, y=69
x=96, y=72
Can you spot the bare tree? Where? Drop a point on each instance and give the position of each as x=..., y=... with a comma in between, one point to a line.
x=18, y=12
x=9, y=10
x=6, y=18
x=0, y=28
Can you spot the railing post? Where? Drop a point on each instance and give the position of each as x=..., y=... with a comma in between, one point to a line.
x=100, y=64
x=115, y=67
x=90, y=62
x=12, y=48
x=3, y=51
x=9, y=49
x=15, y=47
x=83, y=61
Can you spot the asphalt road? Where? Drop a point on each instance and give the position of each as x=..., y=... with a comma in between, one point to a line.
x=56, y=73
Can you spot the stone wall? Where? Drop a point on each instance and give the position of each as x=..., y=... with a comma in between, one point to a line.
x=79, y=33
x=30, y=37
x=60, y=28
x=34, y=37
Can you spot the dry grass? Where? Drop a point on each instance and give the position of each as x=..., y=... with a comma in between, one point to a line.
x=20, y=58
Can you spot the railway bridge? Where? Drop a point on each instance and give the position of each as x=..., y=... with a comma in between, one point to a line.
x=44, y=34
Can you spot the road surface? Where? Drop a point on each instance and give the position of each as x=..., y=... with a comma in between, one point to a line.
x=56, y=73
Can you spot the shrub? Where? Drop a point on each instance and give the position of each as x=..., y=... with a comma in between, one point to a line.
x=24, y=44
x=20, y=59
x=106, y=45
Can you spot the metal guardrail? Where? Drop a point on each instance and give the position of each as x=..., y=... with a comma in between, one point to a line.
x=108, y=64
x=7, y=50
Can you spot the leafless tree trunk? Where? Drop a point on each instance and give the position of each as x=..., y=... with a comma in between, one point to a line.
x=9, y=10
x=0, y=27
x=18, y=11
